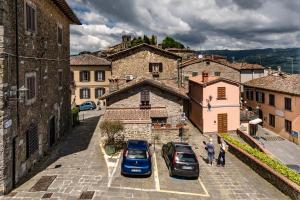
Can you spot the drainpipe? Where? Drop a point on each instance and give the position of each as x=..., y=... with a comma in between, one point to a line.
x=17, y=62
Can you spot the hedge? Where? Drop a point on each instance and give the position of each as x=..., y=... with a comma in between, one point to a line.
x=274, y=164
x=75, y=116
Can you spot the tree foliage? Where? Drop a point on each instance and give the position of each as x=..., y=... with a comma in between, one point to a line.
x=169, y=42
x=111, y=128
x=145, y=39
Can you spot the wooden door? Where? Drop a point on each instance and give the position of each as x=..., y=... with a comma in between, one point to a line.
x=222, y=123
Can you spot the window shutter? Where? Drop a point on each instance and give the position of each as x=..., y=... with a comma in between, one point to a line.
x=145, y=95
x=96, y=93
x=103, y=75
x=221, y=92
x=28, y=18
x=88, y=76
x=81, y=76
x=263, y=97
x=96, y=76
x=160, y=67
x=81, y=94
x=150, y=67
x=256, y=96
x=33, y=19
x=89, y=93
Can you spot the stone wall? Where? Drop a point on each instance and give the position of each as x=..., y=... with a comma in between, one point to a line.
x=158, y=98
x=213, y=67
x=166, y=135
x=282, y=183
x=137, y=64
x=39, y=53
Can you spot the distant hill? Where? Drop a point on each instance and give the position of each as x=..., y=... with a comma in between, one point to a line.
x=266, y=57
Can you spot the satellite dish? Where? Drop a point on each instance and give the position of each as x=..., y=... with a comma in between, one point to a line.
x=200, y=56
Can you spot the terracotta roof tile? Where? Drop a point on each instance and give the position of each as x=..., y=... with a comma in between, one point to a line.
x=134, y=114
x=280, y=83
x=88, y=59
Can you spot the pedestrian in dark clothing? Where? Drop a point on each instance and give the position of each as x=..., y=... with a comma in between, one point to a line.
x=221, y=157
x=210, y=151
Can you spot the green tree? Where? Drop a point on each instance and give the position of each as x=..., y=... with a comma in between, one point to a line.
x=169, y=42
x=146, y=39
x=153, y=40
x=111, y=128
x=137, y=41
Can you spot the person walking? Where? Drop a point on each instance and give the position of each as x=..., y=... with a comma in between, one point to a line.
x=221, y=157
x=210, y=151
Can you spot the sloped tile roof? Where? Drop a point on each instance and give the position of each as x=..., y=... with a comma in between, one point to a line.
x=211, y=79
x=88, y=59
x=134, y=114
x=279, y=83
x=65, y=8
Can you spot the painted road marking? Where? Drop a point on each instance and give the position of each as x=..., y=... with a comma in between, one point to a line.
x=157, y=183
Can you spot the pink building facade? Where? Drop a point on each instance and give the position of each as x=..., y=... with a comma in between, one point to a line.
x=214, y=103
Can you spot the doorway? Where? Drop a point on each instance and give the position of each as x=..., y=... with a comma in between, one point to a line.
x=222, y=123
x=52, y=136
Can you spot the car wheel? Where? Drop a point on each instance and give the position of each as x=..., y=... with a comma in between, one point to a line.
x=91, y=109
x=170, y=172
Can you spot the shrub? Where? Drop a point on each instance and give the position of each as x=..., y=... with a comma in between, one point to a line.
x=75, y=116
x=111, y=129
x=274, y=164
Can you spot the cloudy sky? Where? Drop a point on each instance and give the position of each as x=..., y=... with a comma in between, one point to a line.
x=199, y=24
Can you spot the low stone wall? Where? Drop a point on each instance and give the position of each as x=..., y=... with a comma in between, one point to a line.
x=137, y=131
x=281, y=182
x=251, y=141
x=169, y=134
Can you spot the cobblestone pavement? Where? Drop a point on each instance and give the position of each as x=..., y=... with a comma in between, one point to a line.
x=79, y=165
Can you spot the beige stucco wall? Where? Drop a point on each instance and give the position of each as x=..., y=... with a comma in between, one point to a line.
x=231, y=106
x=92, y=84
x=137, y=65
x=280, y=113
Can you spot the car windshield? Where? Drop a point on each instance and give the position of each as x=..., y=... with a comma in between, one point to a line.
x=136, y=154
x=186, y=157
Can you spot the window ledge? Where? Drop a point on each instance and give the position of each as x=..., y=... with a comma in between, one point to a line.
x=221, y=98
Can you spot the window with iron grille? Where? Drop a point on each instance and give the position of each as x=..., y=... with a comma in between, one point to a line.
x=99, y=92
x=30, y=84
x=288, y=103
x=155, y=67
x=194, y=73
x=84, y=93
x=59, y=34
x=217, y=73
x=288, y=126
x=145, y=98
x=271, y=100
x=99, y=75
x=84, y=76
x=221, y=93
x=272, y=120
x=32, y=140
x=30, y=17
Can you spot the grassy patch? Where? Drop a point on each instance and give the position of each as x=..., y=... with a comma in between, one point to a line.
x=274, y=164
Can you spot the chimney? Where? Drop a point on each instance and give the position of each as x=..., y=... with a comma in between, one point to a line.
x=269, y=71
x=279, y=69
x=204, y=76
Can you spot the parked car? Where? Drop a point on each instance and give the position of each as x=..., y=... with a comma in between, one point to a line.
x=88, y=105
x=180, y=159
x=136, y=158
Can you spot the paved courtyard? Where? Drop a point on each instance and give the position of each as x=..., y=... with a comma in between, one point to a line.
x=79, y=166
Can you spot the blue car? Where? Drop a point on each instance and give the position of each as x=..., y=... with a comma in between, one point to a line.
x=136, y=158
x=88, y=105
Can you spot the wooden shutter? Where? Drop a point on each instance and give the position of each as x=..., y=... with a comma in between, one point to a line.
x=81, y=76
x=150, y=67
x=103, y=75
x=221, y=92
x=160, y=67
x=81, y=93
x=89, y=93
x=222, y=123
x=88, y=75
x=263, y=97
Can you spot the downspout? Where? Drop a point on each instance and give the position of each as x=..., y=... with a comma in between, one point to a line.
x=17, y=63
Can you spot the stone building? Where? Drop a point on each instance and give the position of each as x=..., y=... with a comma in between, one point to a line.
x=90, y=78
x=144, y=61
x=239, y=72
x=147, y=106
x=185, y=54
x=34, y=64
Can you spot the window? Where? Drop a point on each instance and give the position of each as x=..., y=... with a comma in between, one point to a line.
x=288, y=103
x=260, y=97
x=99, y=92
x=271, y=100
x=84, y=93
x=59, y=34
x=155, y=67
x=32, y=140
x=288, y=126
x=249, y=94
x=194, y=73
x=60, y=78
x=207, y=63
x=99, y=75
x=145, y=98
x=217, y=73
x=30, y=17
x=221, y=93
x=30, y=84
x=84, y=76
x=272, y=120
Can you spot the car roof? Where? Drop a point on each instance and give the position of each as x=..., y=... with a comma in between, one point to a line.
x=137, y=144
x=183, y=147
